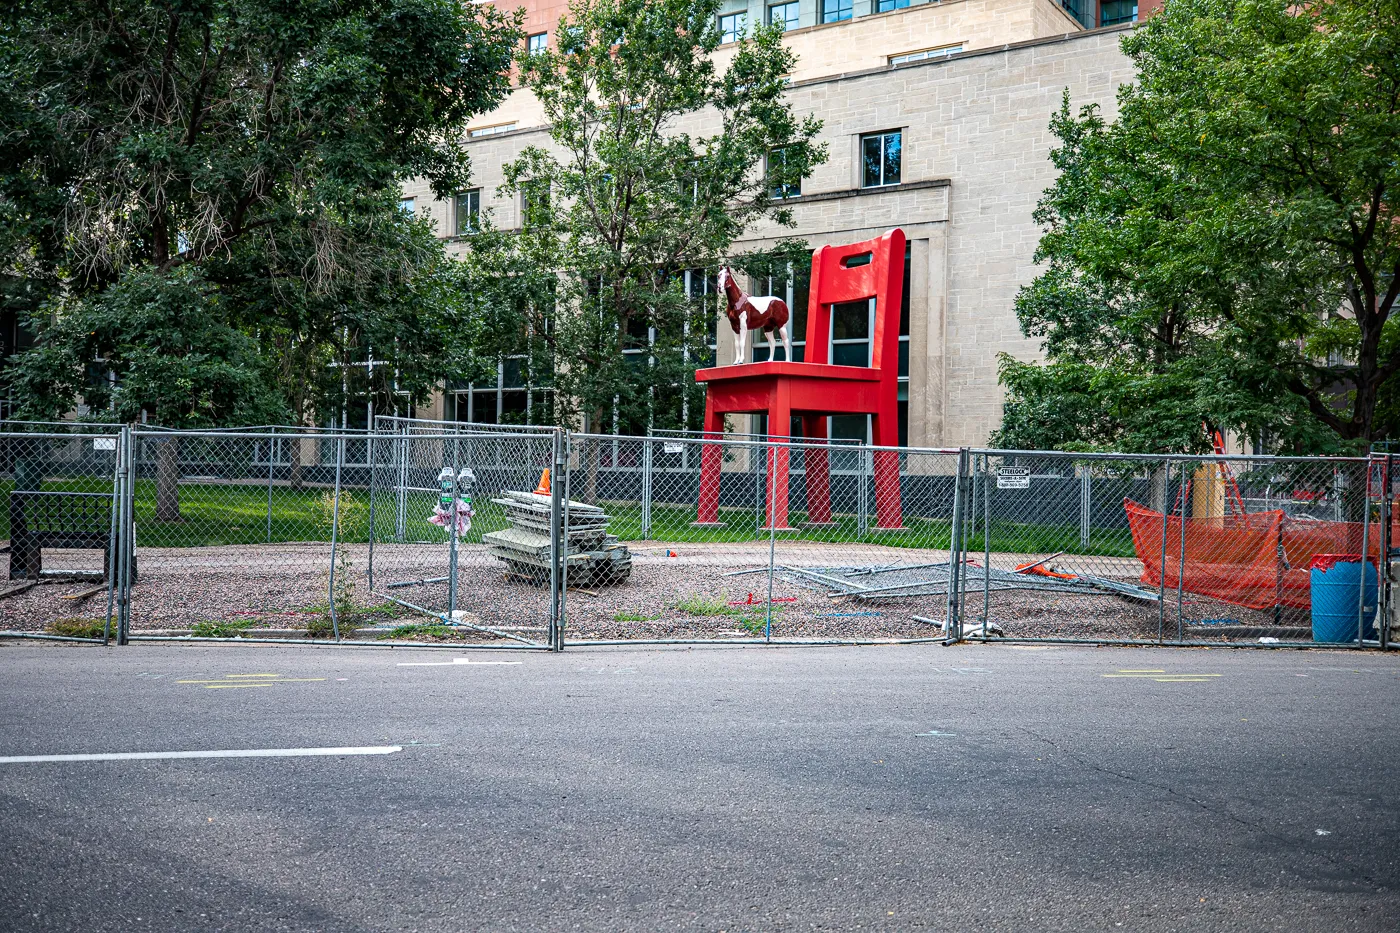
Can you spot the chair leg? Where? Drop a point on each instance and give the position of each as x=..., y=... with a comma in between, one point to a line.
x=711, y=460
x=779, y=421
x=818, y=469
x=888, y=507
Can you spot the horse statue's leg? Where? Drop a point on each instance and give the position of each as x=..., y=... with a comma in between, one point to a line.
x=741, y=344
x=787, y=341
x=772, y=347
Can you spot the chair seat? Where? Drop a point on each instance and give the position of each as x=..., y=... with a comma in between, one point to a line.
x=776, y=368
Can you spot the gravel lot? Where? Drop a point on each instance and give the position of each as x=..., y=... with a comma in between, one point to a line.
x=695, y=594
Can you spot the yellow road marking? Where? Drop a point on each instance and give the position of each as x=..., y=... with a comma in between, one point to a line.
x=258, y=683
x=1153, y=675
x=231, y=676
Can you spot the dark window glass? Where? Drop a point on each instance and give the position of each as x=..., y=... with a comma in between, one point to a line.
x=881, y=157
x=468, y=211
x=851, y=321
x=886, y=6
x=779, y=186
x=1113, y=12
x=538, y=42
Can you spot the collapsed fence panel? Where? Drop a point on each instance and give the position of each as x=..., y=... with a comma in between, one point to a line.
x=739, y=540
x=60, y=524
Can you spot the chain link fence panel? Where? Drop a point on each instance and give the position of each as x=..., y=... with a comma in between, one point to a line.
x=1181, y=550
x=60, y=518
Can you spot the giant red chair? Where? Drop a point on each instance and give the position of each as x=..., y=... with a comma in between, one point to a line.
x=816, y=388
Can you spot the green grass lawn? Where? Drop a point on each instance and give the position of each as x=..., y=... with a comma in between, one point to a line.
x=215, y=514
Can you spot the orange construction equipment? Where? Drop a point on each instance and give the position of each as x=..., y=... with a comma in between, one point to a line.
x=543, y=488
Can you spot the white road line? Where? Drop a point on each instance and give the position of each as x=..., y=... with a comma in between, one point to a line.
x=222, y=753
x=452, y=662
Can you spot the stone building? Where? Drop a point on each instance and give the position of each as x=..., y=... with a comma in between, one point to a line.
x=961, y=92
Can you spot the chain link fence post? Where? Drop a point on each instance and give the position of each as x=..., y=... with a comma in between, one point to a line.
x=127, y=455
x=953, y=625
x=558, y=553
x=647, y=479
x=335, y=535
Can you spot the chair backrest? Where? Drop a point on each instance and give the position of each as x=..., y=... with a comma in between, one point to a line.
x=835, y=280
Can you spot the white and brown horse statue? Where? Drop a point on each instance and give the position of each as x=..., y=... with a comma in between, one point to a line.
x=748, y=313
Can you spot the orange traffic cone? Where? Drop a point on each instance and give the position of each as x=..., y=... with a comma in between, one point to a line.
x=543, y=488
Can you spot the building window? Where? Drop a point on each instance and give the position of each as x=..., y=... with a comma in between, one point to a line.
x=408, y=205
x=885, y=6
x=490, y=130
x=880, y=157
x=537, y=43
x=468, y=211
x=1113, y=12
x=534, y=204
x=940, y=52
x=731, y=27
x=779, y=185
x=834, y=11
x=784, y=15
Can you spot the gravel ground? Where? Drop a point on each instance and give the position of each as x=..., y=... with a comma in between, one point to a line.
x=691, y=595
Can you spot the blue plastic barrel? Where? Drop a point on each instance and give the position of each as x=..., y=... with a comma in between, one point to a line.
x=1336, y=597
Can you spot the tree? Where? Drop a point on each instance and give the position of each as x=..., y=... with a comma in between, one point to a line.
x=624, y=200
x=1227, y=249
x=205, y=194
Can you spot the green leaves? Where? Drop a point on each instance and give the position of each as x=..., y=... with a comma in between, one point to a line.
x=1231, y=233
x=636, y=200
x=228, y=172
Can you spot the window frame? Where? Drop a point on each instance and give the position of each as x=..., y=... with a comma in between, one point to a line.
x=832, y=10
x=739, y=22
x=408, y=206
x=531, y=48
x=919, y=55
x=796, y=15
x=474, y=213
x=883, y=136
x=783, y=191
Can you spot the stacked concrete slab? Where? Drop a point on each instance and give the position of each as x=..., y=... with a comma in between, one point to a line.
x=595, y=557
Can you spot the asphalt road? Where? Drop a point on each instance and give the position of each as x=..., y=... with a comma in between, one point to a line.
x=917, y=787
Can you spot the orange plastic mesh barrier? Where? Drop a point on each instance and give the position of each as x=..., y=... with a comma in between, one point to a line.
x=1236, y=558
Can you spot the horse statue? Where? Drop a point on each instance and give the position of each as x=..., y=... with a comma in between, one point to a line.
x=747, y=313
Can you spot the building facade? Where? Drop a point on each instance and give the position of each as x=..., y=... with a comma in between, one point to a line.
x=961, y=143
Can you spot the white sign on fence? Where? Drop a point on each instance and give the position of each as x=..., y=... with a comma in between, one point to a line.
x=1014, y=478
x=104, y=443
x=672, y=447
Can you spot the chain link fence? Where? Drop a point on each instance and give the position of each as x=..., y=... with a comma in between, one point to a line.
x=476, y=536
x=60, y=519
x=1183, y=550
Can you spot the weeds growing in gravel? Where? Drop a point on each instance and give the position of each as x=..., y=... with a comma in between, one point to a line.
x=78, y=628
x=634, y=617
x=420, y=630
x=702, y=606
x=754, y=625
x=234, y=628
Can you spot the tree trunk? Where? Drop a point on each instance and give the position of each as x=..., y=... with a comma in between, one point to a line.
x=294, y=461
x=168, y=481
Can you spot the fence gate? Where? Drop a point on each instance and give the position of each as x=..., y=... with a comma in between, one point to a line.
x=61, y=521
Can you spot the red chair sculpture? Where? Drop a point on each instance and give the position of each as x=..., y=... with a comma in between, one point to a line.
x=816, y=388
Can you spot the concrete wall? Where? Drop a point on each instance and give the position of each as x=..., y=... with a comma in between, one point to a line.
x=976, y=145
